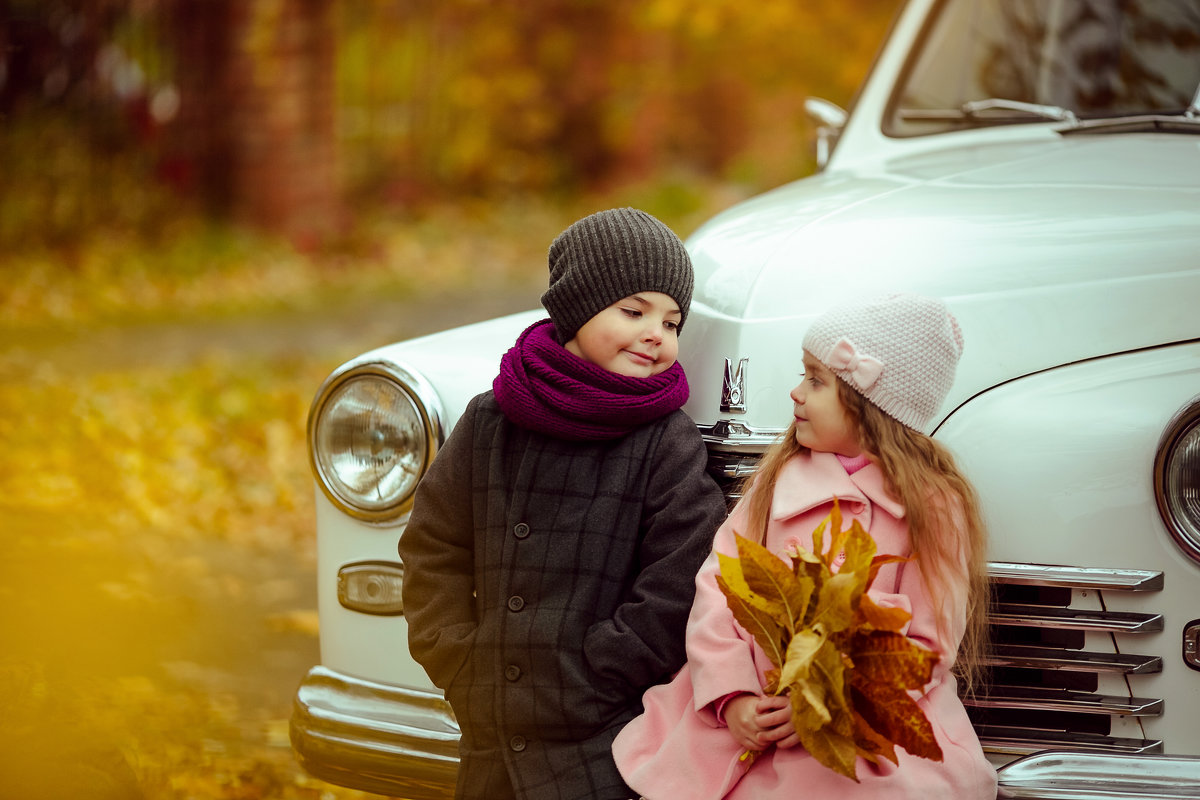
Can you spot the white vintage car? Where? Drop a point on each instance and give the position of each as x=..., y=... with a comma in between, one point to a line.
x=1036, y=163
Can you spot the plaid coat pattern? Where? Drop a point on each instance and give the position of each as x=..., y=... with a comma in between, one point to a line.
x=547, y=586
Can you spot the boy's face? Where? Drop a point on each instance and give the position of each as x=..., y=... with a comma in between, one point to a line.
x=637, y=336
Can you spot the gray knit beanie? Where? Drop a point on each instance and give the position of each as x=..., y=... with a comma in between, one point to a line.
x=611, y=255
x=899, y=352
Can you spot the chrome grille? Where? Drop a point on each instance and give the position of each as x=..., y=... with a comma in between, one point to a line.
x=1046, y=688
x=734, y=450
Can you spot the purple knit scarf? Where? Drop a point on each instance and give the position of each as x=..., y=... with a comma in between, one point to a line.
x=544, y=387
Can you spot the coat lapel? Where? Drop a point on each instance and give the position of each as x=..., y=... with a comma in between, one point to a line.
x=813, y=479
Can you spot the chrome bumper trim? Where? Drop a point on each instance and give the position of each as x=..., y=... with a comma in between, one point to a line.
x=1090, y=776
x=385, y=739
x=736, y=436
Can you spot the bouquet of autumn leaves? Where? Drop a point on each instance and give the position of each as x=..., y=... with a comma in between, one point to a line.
x=839, y=656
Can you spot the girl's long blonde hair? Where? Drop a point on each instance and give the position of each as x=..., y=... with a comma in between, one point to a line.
x=944, y=521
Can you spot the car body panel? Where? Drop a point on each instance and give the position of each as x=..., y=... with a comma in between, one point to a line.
x=1089, y=249
x=1011, y=438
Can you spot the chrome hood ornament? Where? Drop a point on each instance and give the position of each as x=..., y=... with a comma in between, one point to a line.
x=733, y=388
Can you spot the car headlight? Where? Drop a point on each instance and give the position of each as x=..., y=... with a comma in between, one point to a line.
x=1177, y=479
x=372, y=432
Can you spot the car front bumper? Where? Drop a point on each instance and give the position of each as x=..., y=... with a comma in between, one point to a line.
x=403, y=742
x=375, y=737
x=1054, y=775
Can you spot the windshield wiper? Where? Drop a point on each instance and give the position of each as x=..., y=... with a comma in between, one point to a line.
x=973, y=108
x=1186, y=122
x=990, y=111
x=975, y=111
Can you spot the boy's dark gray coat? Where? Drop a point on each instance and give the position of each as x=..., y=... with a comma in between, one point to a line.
x=547, y=585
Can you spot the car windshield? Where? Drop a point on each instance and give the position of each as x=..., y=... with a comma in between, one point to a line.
x=995, y=62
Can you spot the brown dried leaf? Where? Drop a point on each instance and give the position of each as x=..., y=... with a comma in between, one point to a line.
x=871, y=745
x=891, y=658
x=880, y=561
x=896, y=716
x=872, y=616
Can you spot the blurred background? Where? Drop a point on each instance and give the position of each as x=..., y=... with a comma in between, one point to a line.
x=206, y=206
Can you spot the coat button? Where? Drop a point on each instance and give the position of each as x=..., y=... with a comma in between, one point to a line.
x=517, y=743
x=516, y=603
x=520, y=530
x=512, y=672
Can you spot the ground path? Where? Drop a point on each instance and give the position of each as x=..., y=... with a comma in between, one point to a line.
x=216, y=621
x=347, y=325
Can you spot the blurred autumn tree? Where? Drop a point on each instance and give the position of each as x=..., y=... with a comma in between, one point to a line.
x=290, y=114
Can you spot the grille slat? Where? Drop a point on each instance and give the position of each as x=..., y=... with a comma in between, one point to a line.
x=1065, y=701
x=1125, y=580
x=1024, y=741
x=1006, y=655
x=1074, y=619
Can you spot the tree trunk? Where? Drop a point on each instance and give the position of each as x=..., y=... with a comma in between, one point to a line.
x=255, y=130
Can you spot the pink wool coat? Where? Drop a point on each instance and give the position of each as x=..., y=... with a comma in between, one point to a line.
x=680, y=748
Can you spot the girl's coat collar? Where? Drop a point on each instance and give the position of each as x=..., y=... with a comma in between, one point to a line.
x=812, y=479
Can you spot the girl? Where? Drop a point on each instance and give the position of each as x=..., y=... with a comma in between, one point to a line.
x=875, y=375
x=550, y=556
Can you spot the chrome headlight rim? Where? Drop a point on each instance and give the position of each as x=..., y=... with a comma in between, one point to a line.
x=1184, y=530
x=424, y=400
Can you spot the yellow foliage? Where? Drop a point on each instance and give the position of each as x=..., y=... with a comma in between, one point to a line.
x=840, y=657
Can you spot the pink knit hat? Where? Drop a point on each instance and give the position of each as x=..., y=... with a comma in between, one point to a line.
x=898, y=351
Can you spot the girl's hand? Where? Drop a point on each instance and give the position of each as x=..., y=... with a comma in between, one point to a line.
x=740, y=716
x=756, y=723
x=773, y=715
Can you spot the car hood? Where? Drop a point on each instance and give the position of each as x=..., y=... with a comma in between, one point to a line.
x=1048, y=252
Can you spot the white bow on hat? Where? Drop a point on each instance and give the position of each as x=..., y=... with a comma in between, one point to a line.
x=863, y=368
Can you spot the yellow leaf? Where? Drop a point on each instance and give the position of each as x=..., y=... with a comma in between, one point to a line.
x=807, y=566
x=818, y=536
x=836, y=600
x=831, y=667
x=801, y=652
x=809, y=710
x=834, y=750
x=859, y=549
x=761, y=625
x=767, y=576
x=735, y=578
x=836, y=534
